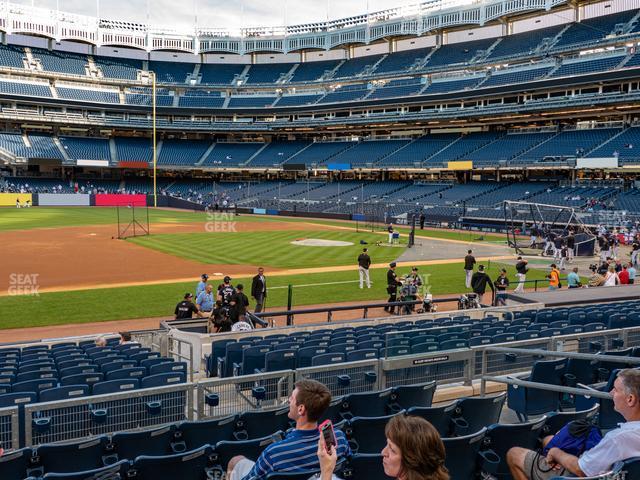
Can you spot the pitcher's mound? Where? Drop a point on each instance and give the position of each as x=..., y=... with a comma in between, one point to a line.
x=318, y=242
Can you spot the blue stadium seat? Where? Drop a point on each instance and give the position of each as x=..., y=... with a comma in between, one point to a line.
x=162, y=379
x=117, y=365
x=364, y=465
x=82, y=378
x=327, y=359
x=218, y=349
x=132, y=372
x=366, y=434
x=499, y=438
x=115, y=386
x=206, y=432
x=73, y=457
x=150, y=362
x=77, y=363
x=472, y=414
x=306, y=354
x=46, y=373
x=130, y=445
x=63, y=393
x=557, y=420
x=14, y=465
x=116, y=470
x=138, y=357
x=280, y=360
x=233, y=355
x=461, y=455
x=225, y=451
x=362, y=354
x=262, y=423
x=528, y=401
x=409, y=396
x=608, y=417
x=35, y=385
x=440, y=417
x=191, y=464
x=368, y=404
x=168, y=368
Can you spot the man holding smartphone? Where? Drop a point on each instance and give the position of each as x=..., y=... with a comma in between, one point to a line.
x=297, y=452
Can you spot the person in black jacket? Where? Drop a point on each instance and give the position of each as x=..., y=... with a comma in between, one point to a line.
x=239, y=303
x=521, y=273
x=479, y=282
x=259, y=290
x=392, y=287
x=422, y=219
x=501, y=284
x=186, y=308
x=364, y=262
x=469, y=262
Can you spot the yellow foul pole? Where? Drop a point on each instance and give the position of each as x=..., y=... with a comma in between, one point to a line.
x=155, y=158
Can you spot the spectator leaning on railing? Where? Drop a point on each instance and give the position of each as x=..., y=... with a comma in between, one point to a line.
x=617, y=445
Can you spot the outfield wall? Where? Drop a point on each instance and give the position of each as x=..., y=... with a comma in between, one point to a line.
x=63, y=200
x=9, y=199
x=114, y=200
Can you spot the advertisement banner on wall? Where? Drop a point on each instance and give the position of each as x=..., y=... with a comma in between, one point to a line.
x=64, y=200
x=9, y=199
x=113, y=200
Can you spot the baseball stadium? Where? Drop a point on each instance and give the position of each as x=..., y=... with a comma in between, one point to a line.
x=367, y=243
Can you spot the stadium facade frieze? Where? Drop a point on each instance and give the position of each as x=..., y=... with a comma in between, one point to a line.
x=416, y=20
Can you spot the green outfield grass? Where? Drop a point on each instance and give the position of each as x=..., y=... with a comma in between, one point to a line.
x=86, y=306
x=56, y=217
x=273, y=249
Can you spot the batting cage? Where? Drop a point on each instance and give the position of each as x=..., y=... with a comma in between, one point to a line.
x=530, y=225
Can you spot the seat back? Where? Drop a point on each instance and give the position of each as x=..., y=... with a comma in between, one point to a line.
x=439, y=417
x=225, y=451
x=115, y=471
x=73, y=457
x=475, y=413
x=207, y=432
x=130, y=445
x=461, y=455
x=366, y=434
x=64, y=393
x=189, y=465
x=368, y=404
x=417, y=395
x=162, y=379
x=279, y=360
x=501, y=437
x=260, y=424
x=115, y=386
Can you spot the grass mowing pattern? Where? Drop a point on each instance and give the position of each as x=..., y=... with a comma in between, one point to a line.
x=86, y=306
x=56, y=217
x=273, y=249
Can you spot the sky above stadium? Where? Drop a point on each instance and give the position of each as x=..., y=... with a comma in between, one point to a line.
x=222, y=14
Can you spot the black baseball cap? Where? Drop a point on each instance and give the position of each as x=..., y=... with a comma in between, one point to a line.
x=392, y=264
x=187, y=295
x=227, y=279
x=204, y=275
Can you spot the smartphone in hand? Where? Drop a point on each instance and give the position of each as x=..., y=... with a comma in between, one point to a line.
x=326, y=430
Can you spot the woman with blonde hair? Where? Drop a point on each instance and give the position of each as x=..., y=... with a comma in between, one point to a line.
x=611, y=277
x=414, y=451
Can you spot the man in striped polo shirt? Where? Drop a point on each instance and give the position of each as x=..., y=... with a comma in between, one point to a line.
x=298, y=451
